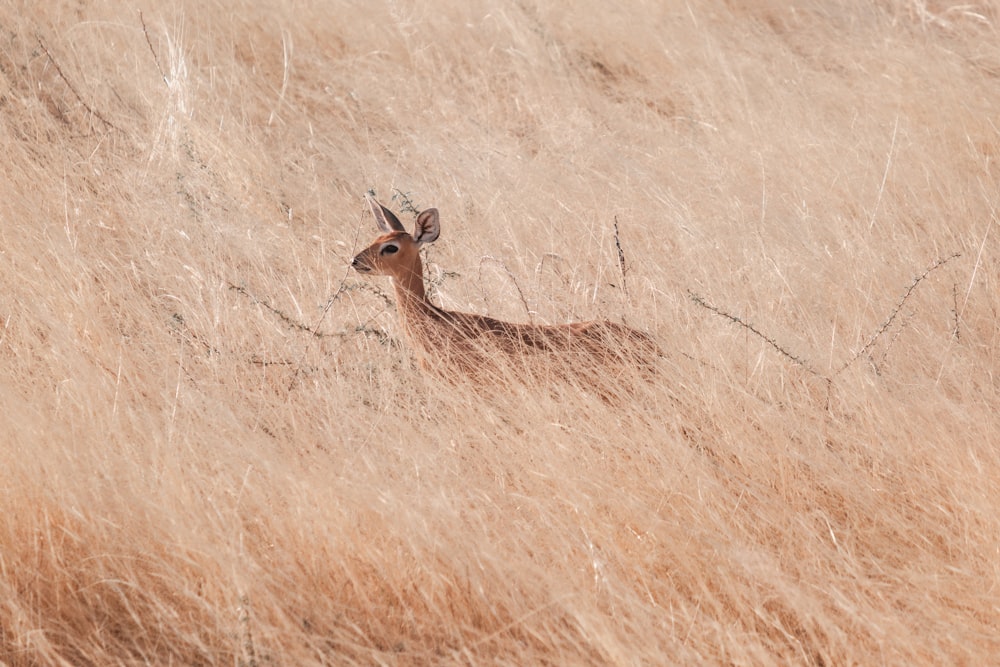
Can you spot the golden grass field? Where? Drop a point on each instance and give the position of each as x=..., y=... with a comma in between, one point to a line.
x=218, y=450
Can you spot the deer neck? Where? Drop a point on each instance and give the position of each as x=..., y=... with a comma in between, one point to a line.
x=409, y=286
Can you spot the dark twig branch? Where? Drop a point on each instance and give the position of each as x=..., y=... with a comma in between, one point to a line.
x=344, y=287
x=864, y=349
x=895, y=311
x=877, y=365
x=621, y=258
x=405, y=201
x=291, y=323
x=956, y=331
x=156, y=58
x=735, y=319
x=62, y=75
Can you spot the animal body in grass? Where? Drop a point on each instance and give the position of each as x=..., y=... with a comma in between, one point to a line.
x=448, y=339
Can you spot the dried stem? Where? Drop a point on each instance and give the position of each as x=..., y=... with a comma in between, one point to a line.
x=735, y=319
x=62, y=75
x=956, y=331
x=292, y=324
x=405, y=201
x=621, y=259
x=156, y=58
x=895, y=311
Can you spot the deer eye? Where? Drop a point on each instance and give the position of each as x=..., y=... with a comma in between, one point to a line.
x=390, y=250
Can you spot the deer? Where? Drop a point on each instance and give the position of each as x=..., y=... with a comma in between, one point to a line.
x=473, y=343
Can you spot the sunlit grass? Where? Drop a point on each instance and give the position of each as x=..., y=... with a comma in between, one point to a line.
x=217, y=447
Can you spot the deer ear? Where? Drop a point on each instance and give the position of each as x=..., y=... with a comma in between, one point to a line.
x=428, y=227
x=384, y=218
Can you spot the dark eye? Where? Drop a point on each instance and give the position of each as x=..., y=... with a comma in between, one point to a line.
x=390, y=250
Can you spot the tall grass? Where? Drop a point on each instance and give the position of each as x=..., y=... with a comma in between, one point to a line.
x=216, y=447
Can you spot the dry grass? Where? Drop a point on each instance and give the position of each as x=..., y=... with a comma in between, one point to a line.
x=216, y=449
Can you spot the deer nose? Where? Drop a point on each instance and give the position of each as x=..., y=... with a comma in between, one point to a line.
x=358, y=265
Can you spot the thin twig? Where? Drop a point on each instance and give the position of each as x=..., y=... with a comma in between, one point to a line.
x=405, y=201
x=72, y=88
x=292, y=324
x=621, y=259
x=156, y=58
x=895, y=311
x=885, y=353
x=735, y=319
x=314, y=331
x=329, y=304
x=957, y=331
x=868, y=345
